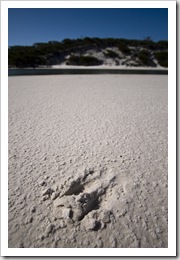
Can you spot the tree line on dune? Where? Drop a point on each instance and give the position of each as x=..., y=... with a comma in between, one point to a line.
x=54, y=52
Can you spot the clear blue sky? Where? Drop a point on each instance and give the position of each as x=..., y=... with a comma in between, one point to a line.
x=30, y=25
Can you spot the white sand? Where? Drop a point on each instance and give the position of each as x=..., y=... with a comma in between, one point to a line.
x=107, y=66
x=88, y=161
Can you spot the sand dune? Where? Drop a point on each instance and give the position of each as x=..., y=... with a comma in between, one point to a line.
x=88, y=161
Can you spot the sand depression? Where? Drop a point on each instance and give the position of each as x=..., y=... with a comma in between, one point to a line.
x=88, y=161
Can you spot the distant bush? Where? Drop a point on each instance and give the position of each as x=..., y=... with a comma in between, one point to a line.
x=23, y=57
x=150, y=45
x=124, y=48
x=111, y=54
x=83, y=61
x=68, y=42
x=145, y=57
x=162, y=58
x=162, y=45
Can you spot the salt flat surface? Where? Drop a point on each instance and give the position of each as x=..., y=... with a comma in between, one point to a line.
x=88, y=159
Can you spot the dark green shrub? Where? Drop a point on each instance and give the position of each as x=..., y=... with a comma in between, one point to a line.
x=83, y=61
x=110, y=42
x=111, y=54
x=162, y=58
x=25, y=56
x=162, y=45
x=145, y=57
x=68, y=42
x=124, y=48
x=150, y=45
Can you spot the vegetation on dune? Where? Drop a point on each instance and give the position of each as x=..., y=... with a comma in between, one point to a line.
x=124, y=48
x=162, y=45
x=162, y=58
x=83, y=61
x=145, y=58
x=23, y=56
x=110, y=54
x=54, y=52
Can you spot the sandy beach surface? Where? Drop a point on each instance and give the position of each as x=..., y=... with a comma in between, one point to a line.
x=88, y=161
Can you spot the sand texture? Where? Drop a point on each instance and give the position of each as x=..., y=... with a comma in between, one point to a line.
x=88, y=161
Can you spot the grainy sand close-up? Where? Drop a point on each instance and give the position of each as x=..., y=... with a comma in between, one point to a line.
x=88, y=161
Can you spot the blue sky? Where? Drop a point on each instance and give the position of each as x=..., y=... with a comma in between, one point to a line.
x=30, y=25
